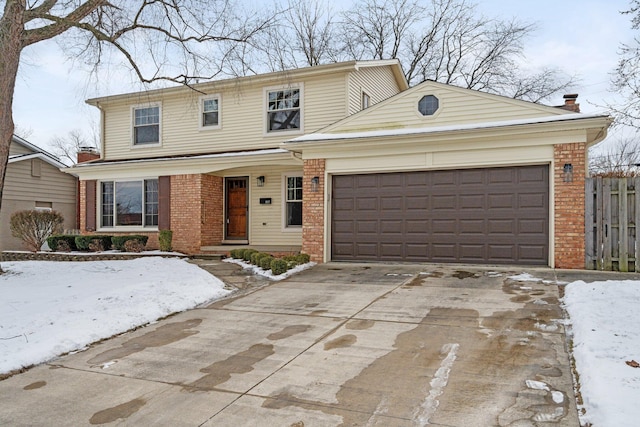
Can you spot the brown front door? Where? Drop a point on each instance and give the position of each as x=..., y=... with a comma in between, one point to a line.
x=237, y=208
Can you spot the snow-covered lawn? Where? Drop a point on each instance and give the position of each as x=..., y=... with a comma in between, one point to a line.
x=49, y=308
x=605, y=327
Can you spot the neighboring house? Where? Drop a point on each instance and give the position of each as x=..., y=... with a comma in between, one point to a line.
x=34, y=181
x=344, y=162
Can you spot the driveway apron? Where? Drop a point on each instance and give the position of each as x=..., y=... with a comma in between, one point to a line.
x=337, y=345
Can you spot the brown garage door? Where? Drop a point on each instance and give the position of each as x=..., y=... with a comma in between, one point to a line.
x=493, y=215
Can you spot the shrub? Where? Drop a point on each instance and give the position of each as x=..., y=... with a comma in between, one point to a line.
x=265, y=262
x=93, y=242
x=279, y=266
x=256, y=257
x=62, y=243
x=119, y=241
x=246, y=255
x=236, y=253
x=133, y=245
x=303, y=258
x=34, y=226
x=164, y=240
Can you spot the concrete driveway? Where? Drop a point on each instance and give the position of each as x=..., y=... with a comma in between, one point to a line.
x=341, y=344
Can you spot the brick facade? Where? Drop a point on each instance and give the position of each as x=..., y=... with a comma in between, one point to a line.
x=196, y=213
x=313, y=210
x=569, y=203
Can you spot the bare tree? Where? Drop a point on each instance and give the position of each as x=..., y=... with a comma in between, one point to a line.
x=626, y=77
x=159, y=40
x=448, y=41
x=620, y=159
x=67, y=148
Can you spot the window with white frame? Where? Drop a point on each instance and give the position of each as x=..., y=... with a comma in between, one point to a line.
x=210, y=112
x=129, y=203
x=293, y=201
x=146, y=125
x=283, y=109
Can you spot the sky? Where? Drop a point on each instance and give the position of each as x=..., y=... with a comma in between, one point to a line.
x=580, y=37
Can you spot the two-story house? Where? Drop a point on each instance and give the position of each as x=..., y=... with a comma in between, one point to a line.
x=34, y=181
x=344, y=162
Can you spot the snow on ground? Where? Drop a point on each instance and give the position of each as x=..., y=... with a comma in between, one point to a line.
x=49, y=308
x=605, y=326
x=267, y=273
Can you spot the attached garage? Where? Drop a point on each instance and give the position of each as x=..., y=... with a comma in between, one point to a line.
x=444, y=174
x=485, y=215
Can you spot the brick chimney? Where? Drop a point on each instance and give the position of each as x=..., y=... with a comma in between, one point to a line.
x=86, y=154
x=570, y=103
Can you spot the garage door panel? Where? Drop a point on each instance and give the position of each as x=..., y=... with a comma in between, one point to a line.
x=495, y=215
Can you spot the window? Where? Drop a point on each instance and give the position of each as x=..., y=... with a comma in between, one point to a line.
x=146, y=125
x=283, y=109
x=366, y=101
x=210, y=112
x=293, y=200
x=129, y=203
x=428, y=105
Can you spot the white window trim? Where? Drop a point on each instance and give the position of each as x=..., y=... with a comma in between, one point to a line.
x=422, y=95
x=265, y=111
x=201, y=100
x=285, y=229
x=133, y=122
x=118, y=228
x=365, y=97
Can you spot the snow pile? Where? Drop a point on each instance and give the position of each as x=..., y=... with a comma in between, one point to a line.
x=606, y=334
x=50, y=308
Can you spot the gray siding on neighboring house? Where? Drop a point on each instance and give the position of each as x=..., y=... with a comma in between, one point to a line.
x=16, y=149
x=23, y=191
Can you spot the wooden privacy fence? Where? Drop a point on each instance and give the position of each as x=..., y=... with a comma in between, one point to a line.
x=612, y=210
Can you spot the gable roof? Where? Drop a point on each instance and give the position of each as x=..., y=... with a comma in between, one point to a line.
x=37, y=152
x=269, y=77
x=457, y=106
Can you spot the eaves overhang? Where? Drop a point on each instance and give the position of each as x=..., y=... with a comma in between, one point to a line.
x=590, y=128
x=197, y=164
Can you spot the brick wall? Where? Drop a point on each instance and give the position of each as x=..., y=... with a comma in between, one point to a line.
x=186, y=212
x=569, y=241
x=82, y=208
x=212, y=210
x=313, y=210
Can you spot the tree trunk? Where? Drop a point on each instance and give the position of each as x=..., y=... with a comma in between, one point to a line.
x=11, y=29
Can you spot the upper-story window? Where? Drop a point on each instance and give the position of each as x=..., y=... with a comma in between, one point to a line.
x=284, y=109
x=366, y=100
x=428, y=105
x=210, y=112
x=146, y=125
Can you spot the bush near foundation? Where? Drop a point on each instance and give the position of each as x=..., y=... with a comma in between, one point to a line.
x=93, y=242
x=279, y=266
x=119, y=242
x=267, y=262
x=165, y=238
x=34, y=226
x=62, y=243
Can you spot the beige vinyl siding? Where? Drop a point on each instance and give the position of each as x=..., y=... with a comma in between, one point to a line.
x=242, y=119
x=456, y=106
x=377, y=82
x=22, y=191
x=17, y=149
x=266, y=221
x=52, y=185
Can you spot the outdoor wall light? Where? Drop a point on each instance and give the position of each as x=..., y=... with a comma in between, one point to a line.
x=567, y=172
x=260, y=181
x=315, y=182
